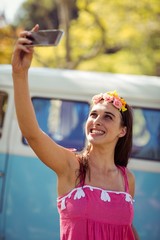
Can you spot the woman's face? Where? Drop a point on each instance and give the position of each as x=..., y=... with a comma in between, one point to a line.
x=104, y=124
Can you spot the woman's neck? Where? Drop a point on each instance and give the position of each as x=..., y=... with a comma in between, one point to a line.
x=102, y=158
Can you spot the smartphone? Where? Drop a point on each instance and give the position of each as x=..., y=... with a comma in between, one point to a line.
x=45, y=37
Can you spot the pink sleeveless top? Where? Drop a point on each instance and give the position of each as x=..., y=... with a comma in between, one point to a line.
x=92, y=213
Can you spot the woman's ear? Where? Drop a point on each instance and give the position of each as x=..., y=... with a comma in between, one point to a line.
x=123, y=131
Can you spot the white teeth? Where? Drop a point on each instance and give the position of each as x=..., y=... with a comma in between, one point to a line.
x=97, y=131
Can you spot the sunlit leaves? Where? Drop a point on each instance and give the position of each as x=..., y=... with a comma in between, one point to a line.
x=113, y=35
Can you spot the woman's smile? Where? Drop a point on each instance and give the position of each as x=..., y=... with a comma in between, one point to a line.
x=103, y=124
x=96, y=132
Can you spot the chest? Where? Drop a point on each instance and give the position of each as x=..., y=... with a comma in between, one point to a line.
x=114, y=182
x=97, y=204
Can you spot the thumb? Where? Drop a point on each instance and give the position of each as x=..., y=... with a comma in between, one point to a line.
x=35, y=28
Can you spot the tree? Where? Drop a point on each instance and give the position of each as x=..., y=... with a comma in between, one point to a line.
x=8, y=35
x=115, y=36
x=61, y=13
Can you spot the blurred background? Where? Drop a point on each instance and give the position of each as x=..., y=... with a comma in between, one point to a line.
x=109, y=36
x=115, y=36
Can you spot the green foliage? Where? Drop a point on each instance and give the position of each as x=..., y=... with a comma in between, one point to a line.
x=113, y=35
x=7, y=39
x=33, y=12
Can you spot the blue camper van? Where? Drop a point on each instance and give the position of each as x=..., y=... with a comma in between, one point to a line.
x=61, y=98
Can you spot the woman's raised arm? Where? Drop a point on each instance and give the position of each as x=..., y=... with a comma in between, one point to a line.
x=54, y=156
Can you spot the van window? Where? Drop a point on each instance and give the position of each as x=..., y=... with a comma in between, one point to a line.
x=62, y=120
x=146, y=134
x=3, y=107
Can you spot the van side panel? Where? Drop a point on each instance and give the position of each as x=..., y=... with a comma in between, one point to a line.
x=3, y=166
x=28, y=187
x=30, y=200
x=147, y=204
x=3, y=158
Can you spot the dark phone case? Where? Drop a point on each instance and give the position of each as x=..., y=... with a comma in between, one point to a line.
x=45, y=38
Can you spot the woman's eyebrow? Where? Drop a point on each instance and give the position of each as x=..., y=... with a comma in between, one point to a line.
x=95, y=111
x=110, y=113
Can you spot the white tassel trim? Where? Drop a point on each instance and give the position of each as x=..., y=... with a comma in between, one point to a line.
x=80, y=194
x=105, y=196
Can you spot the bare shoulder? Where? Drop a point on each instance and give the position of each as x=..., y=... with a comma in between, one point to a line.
x=131, y=181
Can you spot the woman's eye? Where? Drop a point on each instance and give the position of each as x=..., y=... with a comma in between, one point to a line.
x=93, y=114
x=108, y=117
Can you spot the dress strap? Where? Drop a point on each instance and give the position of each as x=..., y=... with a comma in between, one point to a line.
x=124, y=172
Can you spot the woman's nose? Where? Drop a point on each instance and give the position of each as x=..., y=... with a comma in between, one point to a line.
x=97, y=121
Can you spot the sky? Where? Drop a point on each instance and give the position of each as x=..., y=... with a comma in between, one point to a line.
x=10, y=7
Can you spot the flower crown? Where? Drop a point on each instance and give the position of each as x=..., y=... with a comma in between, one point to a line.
x=111, y=97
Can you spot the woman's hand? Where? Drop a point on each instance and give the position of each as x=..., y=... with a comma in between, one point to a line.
x=22, y=54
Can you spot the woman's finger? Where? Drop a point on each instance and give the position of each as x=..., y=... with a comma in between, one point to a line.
x=24, y=34
x=22, y=45
x=24, y=41
x=35, y=28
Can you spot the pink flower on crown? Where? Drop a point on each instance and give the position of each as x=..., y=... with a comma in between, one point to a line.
x=117, y=103
x=111, y=97
x=97, y=98
x=107, y=98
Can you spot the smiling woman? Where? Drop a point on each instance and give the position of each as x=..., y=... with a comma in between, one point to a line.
x=104, y=187
x=103, y=173
x=95, y=188
x=103, y=121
